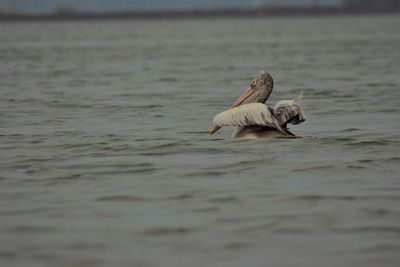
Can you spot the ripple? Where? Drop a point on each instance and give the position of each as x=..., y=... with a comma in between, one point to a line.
x=349, y=130
x=379, y=142
x=208, y=209
x=392, y=197
x=179, y=148
x=67, y=177
x=370, y=229
x=184, y=196
x=86, y=246
x=367, y=161
x=379, y=212
x=24, y=211
x=165, y=231
x=237, y=245
x=194, y=132
x=315, y=168
x=122, y=198
x=381, y=248
x=128, y=171
x=392, y=159
x=335, y=140
x=242, y=165
x=355, y=167
x=26, y=229
x=202, y=174
x=290, y=230
x=168, y=79
x=316, y=198
x=227, y=199
x=261, y=227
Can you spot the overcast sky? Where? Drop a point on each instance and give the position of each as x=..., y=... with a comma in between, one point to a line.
x=45, y=6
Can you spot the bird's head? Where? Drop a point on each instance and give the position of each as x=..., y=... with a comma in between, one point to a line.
x=259, y=90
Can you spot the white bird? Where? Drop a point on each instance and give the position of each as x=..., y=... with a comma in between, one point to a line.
x=255, y=119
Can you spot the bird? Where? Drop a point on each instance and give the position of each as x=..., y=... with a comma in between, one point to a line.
x=254, y=119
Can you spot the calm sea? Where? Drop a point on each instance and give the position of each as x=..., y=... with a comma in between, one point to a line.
x=105, y=158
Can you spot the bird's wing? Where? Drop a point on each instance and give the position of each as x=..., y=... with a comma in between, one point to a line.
x=289, y=111
x=249, y=99
x=253, y=114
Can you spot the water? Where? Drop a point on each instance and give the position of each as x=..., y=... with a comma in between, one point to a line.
x=106, y=160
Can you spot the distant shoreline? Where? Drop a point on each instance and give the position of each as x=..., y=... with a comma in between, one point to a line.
x=256, y=12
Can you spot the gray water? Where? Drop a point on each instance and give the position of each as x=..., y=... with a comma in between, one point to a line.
x=106, y=160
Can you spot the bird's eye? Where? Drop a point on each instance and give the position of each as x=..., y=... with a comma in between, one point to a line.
x=253, y=83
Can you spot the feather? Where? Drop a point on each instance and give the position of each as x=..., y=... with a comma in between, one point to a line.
x=289, y=111
x=253, y=114
x=299, y=97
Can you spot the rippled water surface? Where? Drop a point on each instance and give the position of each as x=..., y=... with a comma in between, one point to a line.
x=106, y=160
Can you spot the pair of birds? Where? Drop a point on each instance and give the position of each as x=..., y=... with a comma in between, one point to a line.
x=256, y=120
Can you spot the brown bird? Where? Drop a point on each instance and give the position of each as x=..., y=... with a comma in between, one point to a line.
x=255, y=119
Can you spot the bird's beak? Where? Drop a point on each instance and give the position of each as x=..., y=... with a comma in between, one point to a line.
x=249, y=92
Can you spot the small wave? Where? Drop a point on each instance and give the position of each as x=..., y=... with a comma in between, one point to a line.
x=147, y=106
x=334, y=140
x=392, y=159
x=179, y=148
x=315, y=168
x=168, y=79
x=330, y=93
x=169, y=145
x=227, y=199
x=115, y=108
x=291, y=230
x=194, y=132
x=122, y=198
x=164, y=231
x=387, y=110
x=127, y=171
x=59, y=105
x=140, y=139
x=86, y=246
x=372, y=142
x=241, y=165
x=355, y=167
x=316, y=198
x=203, y=174
x=225, y=220
x=367, y=161
x=24, y=211
x=373, y=84
x=181, y=197
x=147, y=95
x=349, y=130
x=68, y=177
x=381, y=248
x=208, y=209
x=381, y=212
x=32, y=229
x=236, y=245
x=370, y=229
x=262, y=227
